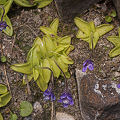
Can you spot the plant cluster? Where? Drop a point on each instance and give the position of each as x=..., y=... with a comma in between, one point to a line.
x=89, y=32
x=48, y=57
x=6, y=5
x=46, y=52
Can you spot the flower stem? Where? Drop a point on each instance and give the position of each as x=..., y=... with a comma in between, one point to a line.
x=66, y=83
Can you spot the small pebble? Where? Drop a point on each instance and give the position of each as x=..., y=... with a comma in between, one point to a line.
x=37, y=107
x=64, y=116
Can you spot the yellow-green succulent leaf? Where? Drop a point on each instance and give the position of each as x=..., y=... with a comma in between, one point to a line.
x=69, y=49
x=88, y=39
x=46, y=73
x=115, y=52
x=54, y=25
x=35, y=74
x=3, y=89
x=1, y=117
x=5, y=98
x=2, y=2
x=119, y=31
x=114, y=39
x=103, y=29
x=28, y=77
x=95, y=39
x=65, y=40
x=92, y=26
x=62, y=65
x=36, y=56
x=44, y=3
x=24, y=3
x=7, y=6
x=81, y=35
x=83, y=25
x=66, y=59
x=41, y=83
x=37, y=0
x=49, y=44
x=61, y=48
x=47, y=30
x=41, y=47
x=67, y=74
x=9, y=28
x=54, y=67
x=22, y=68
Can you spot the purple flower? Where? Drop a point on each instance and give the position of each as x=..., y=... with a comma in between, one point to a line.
x=118, y=86
x=88, y=64
x=3, y=25
x=66, y=99
x=48, y=95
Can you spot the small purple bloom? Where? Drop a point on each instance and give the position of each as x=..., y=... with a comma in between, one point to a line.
x=88, y=64
x=118, y=86
x=48, y=95
x=66, y=99
x=3, y=25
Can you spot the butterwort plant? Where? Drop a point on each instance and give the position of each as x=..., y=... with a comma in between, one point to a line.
x=44, y=52
x=91, y=33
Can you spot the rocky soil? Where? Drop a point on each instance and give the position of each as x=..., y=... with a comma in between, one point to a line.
x=106, y=70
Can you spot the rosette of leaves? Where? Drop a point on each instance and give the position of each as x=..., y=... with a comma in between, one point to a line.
x=116, y=41
x=46, y=52
x=6, y=4
x=4, y=95
x=91, y=33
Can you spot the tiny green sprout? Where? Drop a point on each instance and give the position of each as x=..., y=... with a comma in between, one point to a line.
x=116, y=41
x=91, y=33
x=3, y=59
x=113, y=13
x=110, y=17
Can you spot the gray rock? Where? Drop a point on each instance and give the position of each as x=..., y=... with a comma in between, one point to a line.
x=99, y=98
x=68, y=9
x=117, y=74
x=64, y=116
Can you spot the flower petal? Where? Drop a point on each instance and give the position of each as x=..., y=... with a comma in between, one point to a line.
x=60, y=101
x=64, y=95
x=71, y=102
x=84, y=68
x=91, y=67
x=84, y=64
x=65, y=105
x=46, y=98
x=52, y=97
